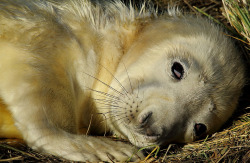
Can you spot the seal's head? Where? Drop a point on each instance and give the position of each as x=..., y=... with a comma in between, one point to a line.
x=180, y=79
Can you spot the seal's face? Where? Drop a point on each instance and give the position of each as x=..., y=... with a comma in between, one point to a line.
x=174, y=89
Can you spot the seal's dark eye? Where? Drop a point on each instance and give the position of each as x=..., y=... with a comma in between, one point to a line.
x=200, y=129
x=177, y=70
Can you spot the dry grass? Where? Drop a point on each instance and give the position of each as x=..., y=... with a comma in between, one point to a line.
x=238, y=15
x=232, y=143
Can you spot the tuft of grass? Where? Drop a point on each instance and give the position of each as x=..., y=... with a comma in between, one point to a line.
x=237, y=13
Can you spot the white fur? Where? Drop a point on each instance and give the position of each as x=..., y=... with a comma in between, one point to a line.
x=70, y=69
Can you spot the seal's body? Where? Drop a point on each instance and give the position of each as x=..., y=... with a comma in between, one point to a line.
x=70, y=69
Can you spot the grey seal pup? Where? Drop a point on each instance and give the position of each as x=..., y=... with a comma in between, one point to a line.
x=70, y=70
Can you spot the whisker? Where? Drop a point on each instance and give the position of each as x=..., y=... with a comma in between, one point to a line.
x=119, y=121
x=105, y=101
x=128, y=77
x=114, y=108
x=106, y=104
x=105, y=84
x=107, y=107
x=109, y=98
x=117, y=114
x=113, y=113
x=108, y=101
x=120, y=84
x=138, y=87
x=103, y=93
x=114, y=116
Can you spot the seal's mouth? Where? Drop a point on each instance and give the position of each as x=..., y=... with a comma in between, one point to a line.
x=140, y=129
x=150, y=135
x=144, y=137
x=152, y=138
x=143, y=140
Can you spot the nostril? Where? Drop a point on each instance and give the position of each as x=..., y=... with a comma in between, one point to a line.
x=149, y=132
x=200, y=129
x=145, y=118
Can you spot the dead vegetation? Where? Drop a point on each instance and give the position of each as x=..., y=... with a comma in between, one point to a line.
x=232, y=143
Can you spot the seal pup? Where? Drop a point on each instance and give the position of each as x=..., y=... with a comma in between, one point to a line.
x=70, y=70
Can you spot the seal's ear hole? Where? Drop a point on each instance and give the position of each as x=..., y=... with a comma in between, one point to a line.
x=200, y=129
x=177, y=70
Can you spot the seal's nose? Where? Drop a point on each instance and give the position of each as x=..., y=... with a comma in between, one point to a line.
x=144, y=119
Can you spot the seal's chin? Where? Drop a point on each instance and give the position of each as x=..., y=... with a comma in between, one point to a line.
x=144, y=137
x=141, y=140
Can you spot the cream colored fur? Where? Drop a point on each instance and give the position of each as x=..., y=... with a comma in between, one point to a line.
x=70, y=69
